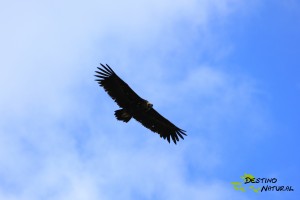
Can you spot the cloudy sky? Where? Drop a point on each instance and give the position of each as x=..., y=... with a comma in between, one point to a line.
x=226, y=71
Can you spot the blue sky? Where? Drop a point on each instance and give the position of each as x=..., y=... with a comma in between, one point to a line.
x=226, y=71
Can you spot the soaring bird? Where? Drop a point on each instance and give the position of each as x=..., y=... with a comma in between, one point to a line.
x=133, y=106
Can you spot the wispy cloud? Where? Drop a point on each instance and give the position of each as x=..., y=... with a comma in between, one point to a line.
x=58, y=135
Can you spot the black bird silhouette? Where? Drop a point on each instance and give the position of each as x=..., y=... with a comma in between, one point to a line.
x=134, y=106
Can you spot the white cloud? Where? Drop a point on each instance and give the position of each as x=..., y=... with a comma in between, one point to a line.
x=58, y=135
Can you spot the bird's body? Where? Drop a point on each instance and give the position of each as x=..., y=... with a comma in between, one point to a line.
x=133, y=106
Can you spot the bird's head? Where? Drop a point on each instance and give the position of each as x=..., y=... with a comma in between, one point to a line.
x=149, y=105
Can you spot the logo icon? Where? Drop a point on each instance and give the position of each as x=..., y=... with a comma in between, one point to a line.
x=245, y=178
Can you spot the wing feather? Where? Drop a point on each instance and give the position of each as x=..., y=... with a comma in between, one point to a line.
x=101, y=73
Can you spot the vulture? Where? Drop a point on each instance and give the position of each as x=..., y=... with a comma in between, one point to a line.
x=133, y=106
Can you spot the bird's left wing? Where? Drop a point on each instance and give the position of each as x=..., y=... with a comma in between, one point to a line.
x=157, y=123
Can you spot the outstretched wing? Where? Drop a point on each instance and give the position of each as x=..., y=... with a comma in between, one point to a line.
x=157, y=123
x=117, y=89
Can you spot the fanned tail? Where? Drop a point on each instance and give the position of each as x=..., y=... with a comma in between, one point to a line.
x=122, y=115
